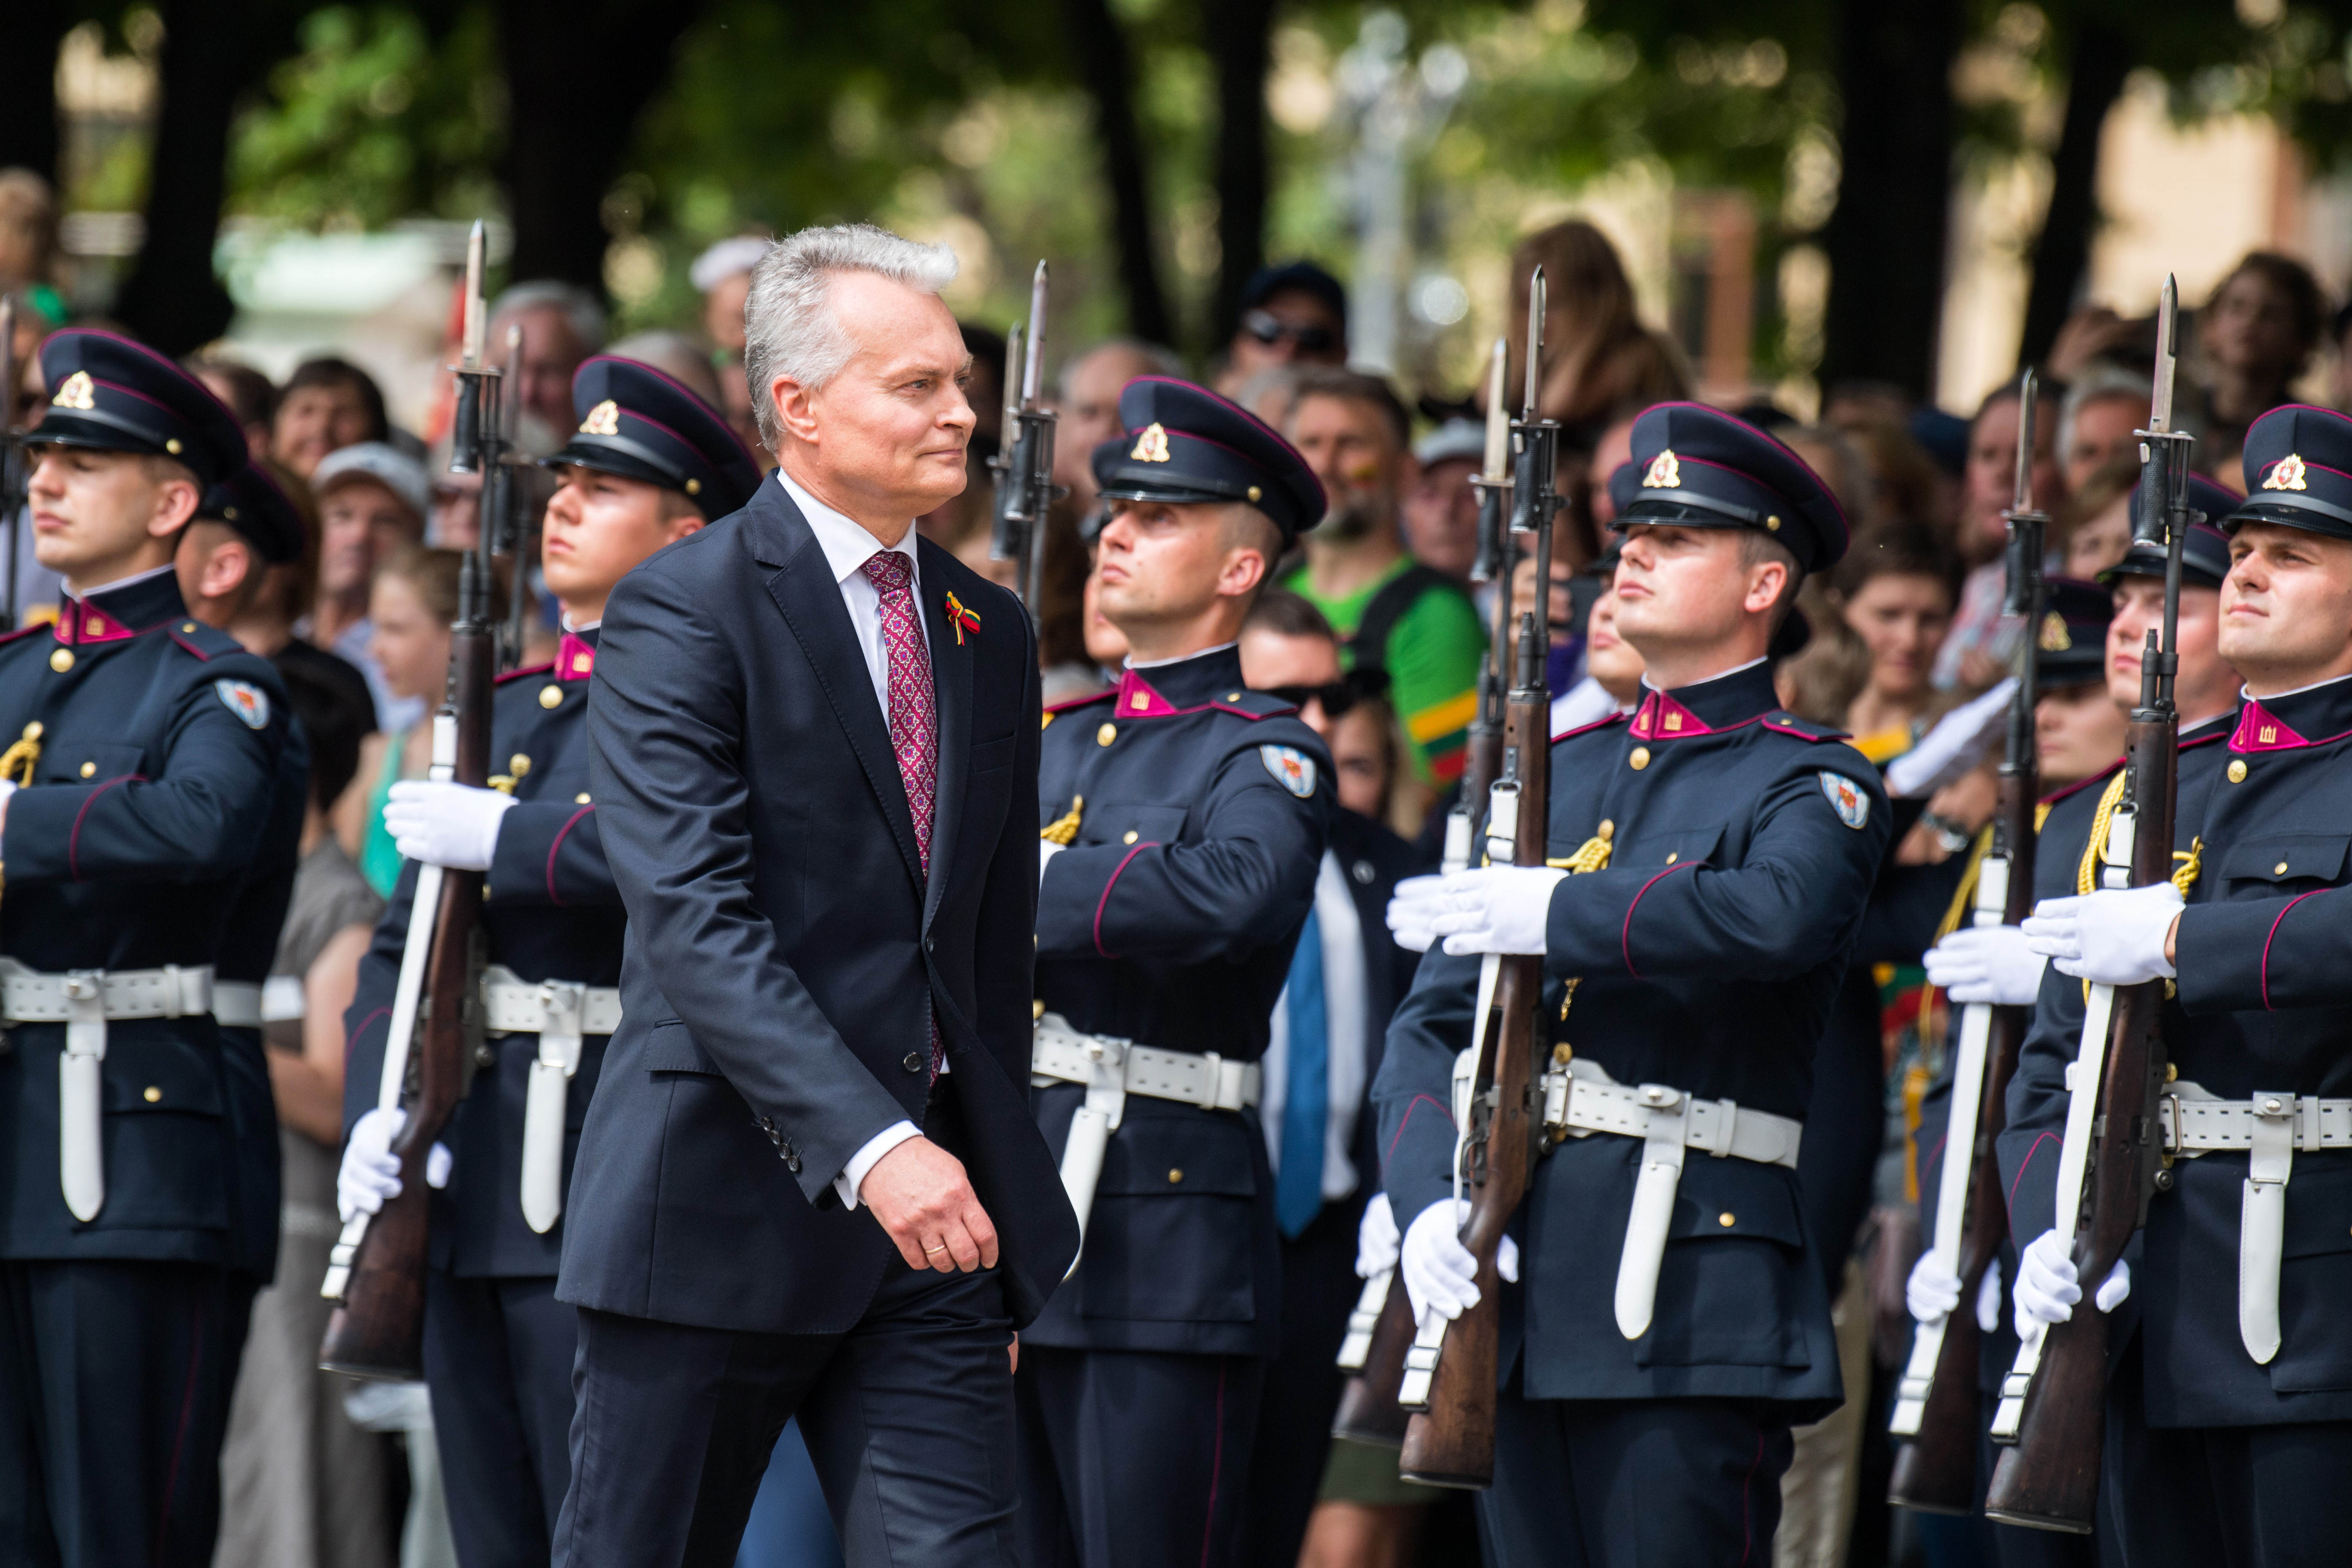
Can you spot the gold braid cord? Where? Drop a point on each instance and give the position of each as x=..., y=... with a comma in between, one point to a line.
x=2086, y=875
x=17, y=762
x=1064, y=829
x=1593, y=855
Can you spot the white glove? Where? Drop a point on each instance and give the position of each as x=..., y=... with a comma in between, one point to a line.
x=1958, y=743
x=1376, y=1238
x=1988, y=1298
x=2111, y=938
x=1933, y=1289
x=1488, y=909
x=1439, y=1274
x=2047, y=1289
x=449, y=824
x=1987, y=963
x=371, y=1171
x=1046, y=850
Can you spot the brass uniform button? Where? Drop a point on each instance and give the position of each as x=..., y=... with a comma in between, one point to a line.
x=519, y=765
x=580, y=799
x=61, y=661
x=187, y=625
x=550, y=695
x=1106, y=735
x=1639, y=759
x=1673, y=856
x=152, y=1096
x=2237, y=770
x=2279, y=870
x=89, y=768
x=1130, y=839
x=1175, y=1176
x=1727, y=1219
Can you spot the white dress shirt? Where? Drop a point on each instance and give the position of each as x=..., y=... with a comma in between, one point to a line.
x=1344, y=1004
x=848, y=547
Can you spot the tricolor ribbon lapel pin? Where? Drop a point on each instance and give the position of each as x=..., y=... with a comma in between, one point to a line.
x=962, y=619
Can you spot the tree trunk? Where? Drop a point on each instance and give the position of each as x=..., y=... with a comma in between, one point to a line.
x=1100, y=51
x=172, y=300
x=29, y=36
x=2061, y=255
x=1886, y=239
x=1239, y=34
x=575, y=84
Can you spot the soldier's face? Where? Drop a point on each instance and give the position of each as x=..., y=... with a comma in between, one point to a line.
x=2204, y=684
x=2286, y=608
x=1161, y=565
x=2076, y=732
x=1681, y=589
x=598, y=526
x=96, y=512
x=884, y=440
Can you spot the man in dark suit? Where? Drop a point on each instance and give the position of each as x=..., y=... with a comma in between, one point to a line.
x=815, y=739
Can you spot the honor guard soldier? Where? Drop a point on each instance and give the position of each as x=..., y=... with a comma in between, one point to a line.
x=137, y=792
x=649, y=464
x=1184, y=818
x=2230, y=1409
x=1671, y=1323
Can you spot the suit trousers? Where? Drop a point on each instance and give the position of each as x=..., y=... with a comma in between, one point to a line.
x=909, y=1418
x=1319, y=1288
x=497, y=1361
x=1633, y=1483
x=114, y=1393
x=1135, y=1459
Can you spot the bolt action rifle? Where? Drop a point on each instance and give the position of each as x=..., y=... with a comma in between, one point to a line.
x=12, y=460
x=1025, y=461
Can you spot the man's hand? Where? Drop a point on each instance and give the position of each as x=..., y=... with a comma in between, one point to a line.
x=1488, y=909
x=1376, y=1238
x=453, y=826
x=2119, y=937
x=1992, y=965
x=921, y=1197
x=370, y=1174
x=1441, y=1275
x=2048, y=1287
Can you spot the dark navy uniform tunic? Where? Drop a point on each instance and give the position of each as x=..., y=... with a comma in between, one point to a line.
x=1745, y=843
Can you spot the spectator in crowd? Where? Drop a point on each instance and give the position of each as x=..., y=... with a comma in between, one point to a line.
x=1440, y=508
x=2340, y=334
x=561, y=324
x=1395, y=613
x=371, y=501
x=1597, y=354
x=410, y=607
x=2255, y=337
x=326, y=405
x=1901, y=477
x=1894, y=593
x=1089, y=402
x=249, y=394
x=28, y=245
x=1327, y=1030
x=2094, y=526
x=722, y=275
x=301, y=1487
x=1106, y=645
x=2098, y=421
x=1976, y=651
x=1293, y=314
x=677, y=356
x=1611, y=682
x=1271, y=393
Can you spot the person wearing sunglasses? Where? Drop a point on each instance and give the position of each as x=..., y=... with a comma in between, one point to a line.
x=1292, y=314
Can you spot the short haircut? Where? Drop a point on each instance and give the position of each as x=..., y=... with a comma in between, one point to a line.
x=1355, y=386
x=1289, y=614
x=1897, y=548
x=581, y=310
x=2097, y=384
x=1247, y=528
x=1163, y=360
x=790, y=327
x=1757, y=547
x=330, y=371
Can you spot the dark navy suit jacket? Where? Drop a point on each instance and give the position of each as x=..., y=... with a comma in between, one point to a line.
x=786, y=956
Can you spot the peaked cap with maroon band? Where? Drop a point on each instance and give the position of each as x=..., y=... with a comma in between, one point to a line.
x=639, y=424
x=2204, y=555
x=2298, y=466
x=251, y=501
x=1185, y=444
x=109, y=394
x=1701, y=468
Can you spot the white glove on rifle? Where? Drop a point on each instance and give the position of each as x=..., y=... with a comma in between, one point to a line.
x=1487, y=908
x=1933, y=1290
x=1376, y=1238
x=1959, y=742
x=2047, y=1287
x=453, y=826
x=1046, y=850
x=2113, y=937
x=1994, y=964
x=1439, y=1274
x=371, y=1171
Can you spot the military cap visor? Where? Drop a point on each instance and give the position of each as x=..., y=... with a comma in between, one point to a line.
x=251, y=502
x=109, y=394
x=2298, y=469
x=2204, y=555
x=638, y=423
x=1701, y=468
x=1186, y=445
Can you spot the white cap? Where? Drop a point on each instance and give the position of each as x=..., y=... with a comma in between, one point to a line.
x=725, y=259
x=1455, y=438
x=387, y=464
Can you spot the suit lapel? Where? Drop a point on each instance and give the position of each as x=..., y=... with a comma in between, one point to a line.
x=804, y=591
x=951, y=661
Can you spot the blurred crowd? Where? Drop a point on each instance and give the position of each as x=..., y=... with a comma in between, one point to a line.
x=1379, y=632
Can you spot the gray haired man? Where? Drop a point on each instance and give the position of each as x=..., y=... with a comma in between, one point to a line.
x=810, y=1183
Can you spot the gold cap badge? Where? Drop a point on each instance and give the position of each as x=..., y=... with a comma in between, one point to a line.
x=79, y=392
x=2056, y=638
x=1151, y=446
x=2286, y=474
x=604, y=420
x=1665, y=472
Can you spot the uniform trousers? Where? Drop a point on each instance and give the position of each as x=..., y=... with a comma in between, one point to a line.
x=1633, y=1483
x=114, y=1393
x=1135, y=1459
x=2222, y=1497
x=909, y=1418
x=497, y=1361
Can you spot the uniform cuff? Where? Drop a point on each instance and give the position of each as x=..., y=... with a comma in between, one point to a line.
x=853, y=1176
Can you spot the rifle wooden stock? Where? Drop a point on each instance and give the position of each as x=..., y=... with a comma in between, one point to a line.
x=1452, y=1443
x=378, y=1331
x=2050, y=1479
x=1369, y=1411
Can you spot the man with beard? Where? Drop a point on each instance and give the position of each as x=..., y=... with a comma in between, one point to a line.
x=1396, y=613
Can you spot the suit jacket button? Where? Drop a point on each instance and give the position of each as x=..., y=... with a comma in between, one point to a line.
x=912, y=1061
x=793, y=1163
x=930, y=944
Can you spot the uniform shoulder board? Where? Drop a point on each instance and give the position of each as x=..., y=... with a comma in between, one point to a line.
x=1589, y=729
x=1253, y=705
x=2219, y=732
x=204, y=643
x=1782, y=722
x=24, y=631
x=2099, y=778
x=1068, y=704
x=527, y=670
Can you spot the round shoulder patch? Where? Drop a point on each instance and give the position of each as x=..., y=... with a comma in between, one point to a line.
x=244, y=700
x=1847, y=798
x=1293, y=769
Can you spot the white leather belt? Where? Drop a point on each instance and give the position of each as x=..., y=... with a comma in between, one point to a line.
x=85, y=1000
x=1112, y=1069
x=1582, y=1099
x=237, y=1003
x=2270, y=1127
x=560, y=1013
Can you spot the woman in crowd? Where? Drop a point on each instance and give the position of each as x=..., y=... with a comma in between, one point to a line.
x=2095, y=525
x=2255, y=337
x=411, y=606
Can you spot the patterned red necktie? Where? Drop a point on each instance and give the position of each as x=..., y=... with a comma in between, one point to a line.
x=914, y=727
